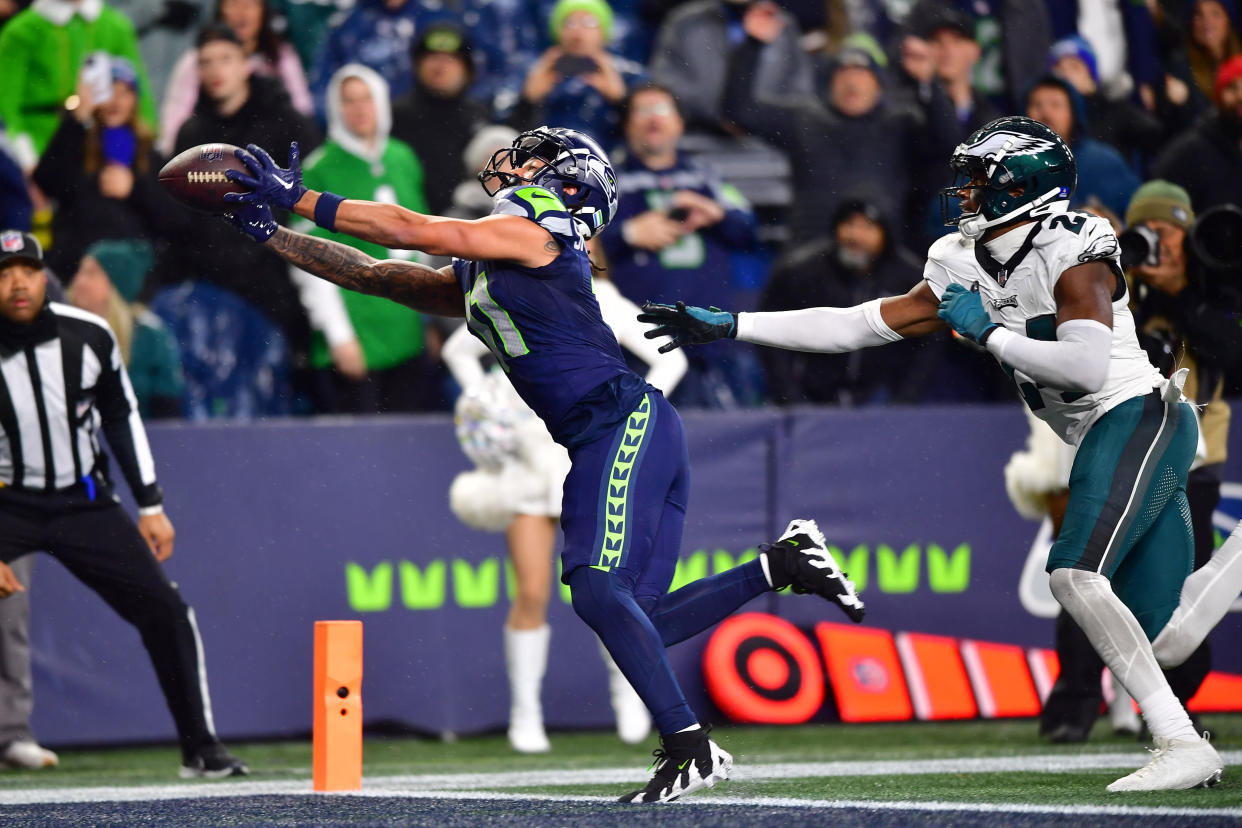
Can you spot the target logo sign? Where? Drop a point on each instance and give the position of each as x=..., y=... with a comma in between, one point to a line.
x=762, y=669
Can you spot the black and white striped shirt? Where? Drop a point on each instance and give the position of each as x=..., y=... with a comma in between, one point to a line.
x=62, y=380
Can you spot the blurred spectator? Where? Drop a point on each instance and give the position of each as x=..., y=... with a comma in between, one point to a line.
x=1116, y=121
x=166, y=29
x=436, y=117
x=633, y=26
x=577, y=84
x=856, y=261
x=236, y=362
x=676, y=225
x=1211, y=39
x=15, y=205
x=1103, y=174
x=1013, y=36
x=270, y=57
x=236, y=108
x=367, y=352
x=699, y=41
x=308, y=23
x=850, y=138
x=378, y=34
x=1207, y=159
x=108, y=282
x=1122, y=39
x=100, y=168
x=943, y=47
x=43, y=48
x=470, y=200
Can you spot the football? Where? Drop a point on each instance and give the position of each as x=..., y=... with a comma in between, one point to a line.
x=196, y=177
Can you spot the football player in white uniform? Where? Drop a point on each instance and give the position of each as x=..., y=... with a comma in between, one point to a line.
x=1041, y=288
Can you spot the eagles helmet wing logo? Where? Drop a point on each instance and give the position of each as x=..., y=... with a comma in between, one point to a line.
x=1003, y=144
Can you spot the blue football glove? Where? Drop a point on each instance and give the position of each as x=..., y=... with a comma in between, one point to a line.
x=963, y=310
x=687, y=325
x=255, y=220
x=267, y=182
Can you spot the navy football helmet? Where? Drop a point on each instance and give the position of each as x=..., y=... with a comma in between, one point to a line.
x=1014, y=166
x=570, y=158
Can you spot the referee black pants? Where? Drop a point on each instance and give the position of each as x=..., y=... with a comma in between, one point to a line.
x=101, y=546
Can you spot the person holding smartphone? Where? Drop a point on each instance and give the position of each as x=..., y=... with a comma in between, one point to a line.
x=577, y=82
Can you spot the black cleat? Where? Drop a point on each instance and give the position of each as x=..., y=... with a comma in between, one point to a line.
x=212, y=761
x=800, y=558
x=685, y=763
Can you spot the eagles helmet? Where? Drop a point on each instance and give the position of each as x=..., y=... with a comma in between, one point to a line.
x=570, y=157
x=1009, y=154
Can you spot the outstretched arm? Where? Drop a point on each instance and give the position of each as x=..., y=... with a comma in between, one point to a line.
x=492, y=238
x=819, y=330
x=408, y=283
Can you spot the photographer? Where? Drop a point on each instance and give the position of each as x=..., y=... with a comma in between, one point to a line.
x=1183, y=324
x=577, y=84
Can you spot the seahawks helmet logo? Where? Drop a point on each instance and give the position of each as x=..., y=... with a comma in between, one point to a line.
x=1004, y=144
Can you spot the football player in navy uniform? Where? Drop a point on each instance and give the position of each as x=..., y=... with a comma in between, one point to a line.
x=1041, y=288
x=522, y=278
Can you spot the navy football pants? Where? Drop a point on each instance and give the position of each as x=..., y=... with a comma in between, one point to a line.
x=623, y=511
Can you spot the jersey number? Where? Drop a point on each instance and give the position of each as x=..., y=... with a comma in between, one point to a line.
x=1043, y=328
x=492, y=324
x=1071, y=224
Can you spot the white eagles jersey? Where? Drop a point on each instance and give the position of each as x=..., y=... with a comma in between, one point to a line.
x=1018, y=294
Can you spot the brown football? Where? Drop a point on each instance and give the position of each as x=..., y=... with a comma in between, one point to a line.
x=196, y=177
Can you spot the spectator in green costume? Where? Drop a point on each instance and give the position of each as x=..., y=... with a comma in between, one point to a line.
x=368, y=353
x=108, y=282
x=43, y=48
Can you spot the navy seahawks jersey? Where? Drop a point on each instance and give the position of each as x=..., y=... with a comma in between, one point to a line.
x=544, y=327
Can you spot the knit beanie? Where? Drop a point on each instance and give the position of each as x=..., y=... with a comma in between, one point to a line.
x=1078, y=47
x=126, y=263
x=598, y=9
x=1160, y=200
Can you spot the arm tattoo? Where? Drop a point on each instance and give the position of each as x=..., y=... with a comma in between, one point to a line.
x=408, y=283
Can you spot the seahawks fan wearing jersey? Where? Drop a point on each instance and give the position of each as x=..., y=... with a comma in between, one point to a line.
x=1042, y=289
x=522, y=279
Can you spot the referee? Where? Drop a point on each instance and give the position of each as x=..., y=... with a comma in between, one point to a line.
x=61, y=382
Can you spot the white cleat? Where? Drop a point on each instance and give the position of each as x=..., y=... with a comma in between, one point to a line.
x=29, y=755
x=1176, y=765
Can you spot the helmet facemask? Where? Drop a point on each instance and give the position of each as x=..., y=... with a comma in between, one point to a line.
x=567, y=172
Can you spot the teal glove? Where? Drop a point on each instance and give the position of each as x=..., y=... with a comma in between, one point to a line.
x=963, y=310
x=686, y=324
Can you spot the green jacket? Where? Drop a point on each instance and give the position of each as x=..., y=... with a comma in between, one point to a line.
x=39, y=64
x=388, y=333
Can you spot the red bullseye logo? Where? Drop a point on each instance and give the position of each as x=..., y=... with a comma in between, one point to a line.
x=761, y=668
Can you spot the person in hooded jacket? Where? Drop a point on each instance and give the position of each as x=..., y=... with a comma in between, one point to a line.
x=366, y=352
x=1104, y=177
x=239, y=108
x=1207, y=158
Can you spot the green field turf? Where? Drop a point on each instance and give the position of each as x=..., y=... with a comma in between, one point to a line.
x=753, y=747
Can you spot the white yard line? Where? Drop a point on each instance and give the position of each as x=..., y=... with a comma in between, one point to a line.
x=484, y=785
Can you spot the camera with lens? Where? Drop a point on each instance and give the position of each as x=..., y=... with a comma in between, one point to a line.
x=1213, y=252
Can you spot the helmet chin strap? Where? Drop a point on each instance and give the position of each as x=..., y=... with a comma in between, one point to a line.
x=973, y=226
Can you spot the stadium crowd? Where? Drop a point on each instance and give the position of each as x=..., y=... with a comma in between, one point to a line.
x=769, y=155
